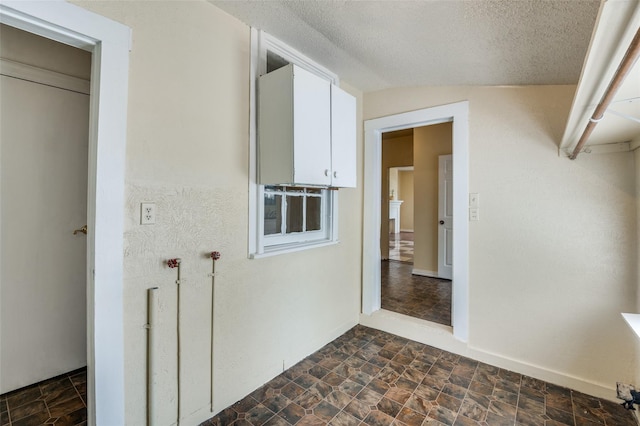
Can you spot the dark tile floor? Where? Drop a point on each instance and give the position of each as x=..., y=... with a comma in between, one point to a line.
x=368, y=377
x=59, y=401
x=419, y=297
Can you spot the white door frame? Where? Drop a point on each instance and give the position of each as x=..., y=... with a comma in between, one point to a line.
x=457, y=113
x=110, y=43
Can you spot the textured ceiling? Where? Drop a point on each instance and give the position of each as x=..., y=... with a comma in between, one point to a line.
x=375, y=45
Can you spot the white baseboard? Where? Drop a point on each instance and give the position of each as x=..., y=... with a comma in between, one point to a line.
x=425, y=273
x=441, y=337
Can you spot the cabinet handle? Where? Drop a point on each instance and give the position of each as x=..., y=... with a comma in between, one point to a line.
x=335, y=174
x=326, y=172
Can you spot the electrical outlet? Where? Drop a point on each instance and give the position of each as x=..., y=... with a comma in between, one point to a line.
x=474, y=214
x=147, y=214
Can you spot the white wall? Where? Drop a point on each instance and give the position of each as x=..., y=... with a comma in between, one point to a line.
x=553, y=258
x=187, y=151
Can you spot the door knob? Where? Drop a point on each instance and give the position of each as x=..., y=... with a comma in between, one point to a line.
x=442, y=222
x=83, y=230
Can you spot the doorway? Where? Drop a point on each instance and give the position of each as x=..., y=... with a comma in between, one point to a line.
x=412, y=281
x=44, y=198
x=109, y=43
x=457, y=114
x=401, y=210
x=44, y=145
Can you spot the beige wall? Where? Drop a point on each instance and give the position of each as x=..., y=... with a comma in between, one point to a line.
x=637, y=310
x=637, y=166
x=187, y=151
x=553, y=259
x=429, y=142
x=396, y=152
x=393, y=183
x=405, y=193
x=30, y=49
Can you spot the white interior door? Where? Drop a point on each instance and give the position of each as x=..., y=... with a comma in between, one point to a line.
x=43, y=199
x=445, y=216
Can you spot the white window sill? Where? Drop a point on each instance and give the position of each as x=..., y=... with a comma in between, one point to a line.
x=634, y=322
x=298, y=247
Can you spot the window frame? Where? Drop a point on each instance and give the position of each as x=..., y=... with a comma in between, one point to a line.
x=260, y=245
x=284, y=237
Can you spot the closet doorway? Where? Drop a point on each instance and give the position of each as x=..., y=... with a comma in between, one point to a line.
x=44, y=138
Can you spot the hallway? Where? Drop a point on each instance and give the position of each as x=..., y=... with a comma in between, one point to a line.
x=419, y=297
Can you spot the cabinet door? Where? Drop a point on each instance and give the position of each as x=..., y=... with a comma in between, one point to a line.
x=312, y=129
x=343, y=138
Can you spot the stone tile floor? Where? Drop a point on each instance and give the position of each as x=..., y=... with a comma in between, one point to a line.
x=413, y=295
x=369, y=377
x=59, y=401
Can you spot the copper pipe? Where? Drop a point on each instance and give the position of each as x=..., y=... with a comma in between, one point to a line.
x=627, y=63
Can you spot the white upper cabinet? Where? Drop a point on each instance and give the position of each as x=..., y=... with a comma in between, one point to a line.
x=343, y=138
x=306, y=130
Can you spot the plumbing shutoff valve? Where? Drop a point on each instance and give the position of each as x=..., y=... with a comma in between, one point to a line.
x=173, y=263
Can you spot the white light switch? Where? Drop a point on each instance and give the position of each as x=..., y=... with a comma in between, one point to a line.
x=147, y=214
x=474, y=214
x=474, y=200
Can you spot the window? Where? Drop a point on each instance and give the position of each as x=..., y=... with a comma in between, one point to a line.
x=293, y=215
x=284, y=218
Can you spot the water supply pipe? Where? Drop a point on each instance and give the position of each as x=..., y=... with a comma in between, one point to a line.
x=175, y=263
x=215, y=255
x=152, y=302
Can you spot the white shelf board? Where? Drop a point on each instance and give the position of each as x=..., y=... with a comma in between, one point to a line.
x=634, y=322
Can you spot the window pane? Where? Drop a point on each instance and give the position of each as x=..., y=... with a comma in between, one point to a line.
x=294, y=214
x=272, y=214
x=314, y=209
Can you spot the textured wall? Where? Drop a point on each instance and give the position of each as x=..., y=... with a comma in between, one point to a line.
x=187, y=151
x=553, y=259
